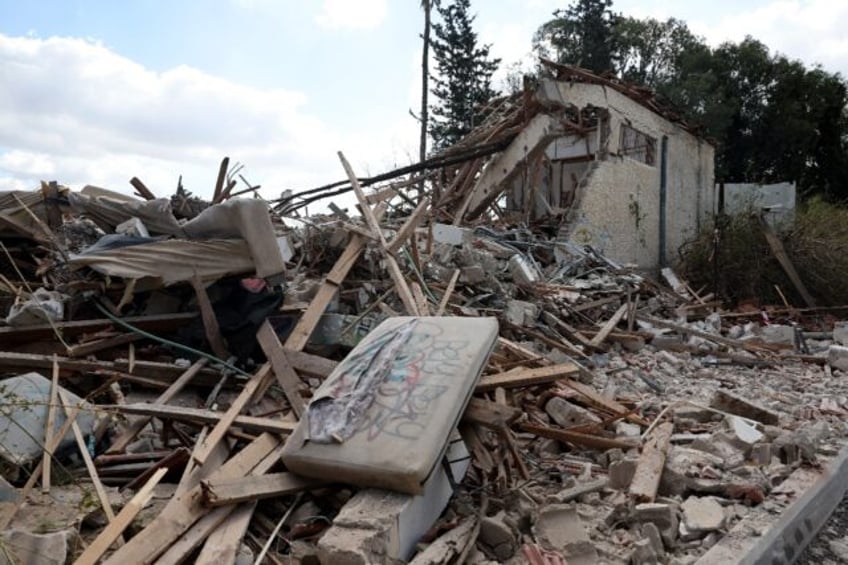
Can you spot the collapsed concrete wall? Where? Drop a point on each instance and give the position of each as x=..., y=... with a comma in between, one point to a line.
x=609, y=181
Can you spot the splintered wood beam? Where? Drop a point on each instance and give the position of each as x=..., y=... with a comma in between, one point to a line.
x=490, y=414
x=124, y=518
x=223, y=543
x=783, y=258
x=182, y=512
x=577, y=438
x=299, y=337
x=135, y=427
x=48, y=430
x=89, y=464
x=649, y=468
x=220, y=430
x=409, y=226
x=526, y=377
x=219, y=182
x=391, y=263
x=283, y=371
x=448, y=292
x=201, y=416
x=84, y=349
x=609, y=326
x=597, y=399
x=210, y=322
x=231, y=491
x=141, y=189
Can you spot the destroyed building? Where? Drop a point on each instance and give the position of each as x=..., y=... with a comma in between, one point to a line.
x=444, y=376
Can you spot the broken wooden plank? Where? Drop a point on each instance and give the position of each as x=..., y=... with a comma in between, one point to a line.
x=210, y=322
x=90, y=347
x=420, y=300
x=783, y=258
x=646, y=479
x=89, y=464
x=135, y=427
x=107, y=537
x=201, y=416
x=299, y=336
x=220, y=429
x=409, y=225
x=391, y=263
x=526, y=377
x=211, y=521
x=182, y=512
x=176, y=459
x=283, y=371
x=490, y=414
x=608, y=326
x=448, y=292
x=577, y=438
x=141, y=189
x=231, y=491
x=601, y=401
x=222, y=545
x=12, y=335
x=48, y=430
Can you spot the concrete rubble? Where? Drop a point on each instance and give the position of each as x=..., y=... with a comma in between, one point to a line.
x=178, y=345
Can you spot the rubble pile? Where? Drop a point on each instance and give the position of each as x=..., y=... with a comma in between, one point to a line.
x=199, y=381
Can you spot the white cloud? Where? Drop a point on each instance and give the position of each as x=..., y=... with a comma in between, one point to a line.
x=352, y=14
x=74, y=111
x=811, y=30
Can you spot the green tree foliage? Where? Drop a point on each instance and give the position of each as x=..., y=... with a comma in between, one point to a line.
x=582, y=35
x=773, y=118
x=462, y=82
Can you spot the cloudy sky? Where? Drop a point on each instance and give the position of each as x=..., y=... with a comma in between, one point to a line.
x=96, y=92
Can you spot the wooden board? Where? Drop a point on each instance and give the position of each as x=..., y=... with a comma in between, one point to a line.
x=135, y=427
x=222, y=492
x=283, y=371
x=182, y=512
x=646, y=479
x=577, y=438
x=201, y=416
x=124, y=518
x=227, y=419
x=526, y=377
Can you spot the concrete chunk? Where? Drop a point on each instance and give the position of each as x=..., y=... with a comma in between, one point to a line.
x=837, y=357
x=840, y=333
x=569, y=415
x=559, y=528
x=702, y=515
x=729, y=402
x=27, y=548
x=498, y=536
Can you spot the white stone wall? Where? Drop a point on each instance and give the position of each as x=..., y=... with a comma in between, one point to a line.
x=618, y=209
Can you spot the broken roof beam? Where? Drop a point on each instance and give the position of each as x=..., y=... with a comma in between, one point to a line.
x=504, y=167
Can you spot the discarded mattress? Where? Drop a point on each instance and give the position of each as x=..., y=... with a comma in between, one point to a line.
x=399, y=434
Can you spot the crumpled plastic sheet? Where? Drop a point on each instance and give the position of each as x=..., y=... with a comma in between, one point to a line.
x=42, y=307
x=336, y=416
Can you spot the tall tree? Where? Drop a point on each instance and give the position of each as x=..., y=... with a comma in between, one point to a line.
x=582, y=34
x=427, y=6
x=463, y=79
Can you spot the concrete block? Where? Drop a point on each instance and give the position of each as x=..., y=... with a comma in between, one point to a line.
x=627, y=429
x=729, y=402
x=778, y=334
x=761, y=453
x=451, y=235
x=663, y=516
x=569, y=415
x=702, y=514
x=644, y=553
x=521, y=313
x=722, y=446
x=498, y=536
x=688, y=469
x=523, y=271
x=837, y=357
x=474, y=274
x=558, y=528
x=743, y=433
x=378, y=526
x=28, y=548
x=621, y=473
x=840, y=333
